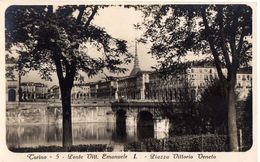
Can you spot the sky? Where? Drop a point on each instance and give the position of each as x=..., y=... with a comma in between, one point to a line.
x=118, y=22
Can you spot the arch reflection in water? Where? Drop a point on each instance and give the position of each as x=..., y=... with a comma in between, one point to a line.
x=145, y=125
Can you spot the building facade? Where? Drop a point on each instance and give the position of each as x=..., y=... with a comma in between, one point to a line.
x=151, y=85
x=244, y=83
x=54, y=92
x=193, y=81
x=32, y=91
x=12, y=81
x=133, y=87
x=80, y=90
x=166, y=89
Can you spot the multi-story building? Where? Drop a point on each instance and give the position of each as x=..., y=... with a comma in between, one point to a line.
x=80, y=90
x=197, y=78
x=133, y=87
x=104, y=89
x=107, y=89
x=33, y=91
x=54, y=92
x=12, y=81
x=201, y=77
x=166, y=88
x=93, y=89
x=244, y=83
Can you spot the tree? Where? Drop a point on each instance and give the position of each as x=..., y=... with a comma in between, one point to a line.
x=56, y=39
x=221, y=32
x=213, y=107
x=188, y=121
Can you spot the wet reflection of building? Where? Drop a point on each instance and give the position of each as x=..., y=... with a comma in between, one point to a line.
x=33, y=135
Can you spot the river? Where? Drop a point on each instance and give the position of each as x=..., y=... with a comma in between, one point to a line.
x=116, y=135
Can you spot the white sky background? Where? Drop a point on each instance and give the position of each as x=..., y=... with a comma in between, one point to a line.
x=118, y=22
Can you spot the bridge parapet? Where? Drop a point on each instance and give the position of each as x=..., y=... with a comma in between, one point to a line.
x=158, y=109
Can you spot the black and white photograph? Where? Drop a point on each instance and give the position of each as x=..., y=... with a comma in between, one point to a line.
x=129, y=78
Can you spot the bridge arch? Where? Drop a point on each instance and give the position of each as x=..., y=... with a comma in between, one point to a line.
x=120, y=133
x=145, y=125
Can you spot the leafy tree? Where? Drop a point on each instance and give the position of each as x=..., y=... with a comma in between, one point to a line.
x=221, y=32
x=186, y=119
x=187, y=104
x=56, y=40
x=213, y=107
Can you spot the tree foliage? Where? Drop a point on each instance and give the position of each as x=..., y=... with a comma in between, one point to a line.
x=220, y=32
x=182, y=30
x=45, y=34
x=213, y=107
x=188, y=120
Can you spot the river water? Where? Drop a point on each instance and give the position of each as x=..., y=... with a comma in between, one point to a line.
x=110, y=133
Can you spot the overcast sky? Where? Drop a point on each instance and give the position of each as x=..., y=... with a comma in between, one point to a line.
x=118, y=22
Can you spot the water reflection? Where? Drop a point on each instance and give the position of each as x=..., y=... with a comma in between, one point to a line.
x=113, y=133
x=84, y=133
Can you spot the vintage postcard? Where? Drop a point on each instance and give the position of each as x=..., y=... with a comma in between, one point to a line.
x=128, y=80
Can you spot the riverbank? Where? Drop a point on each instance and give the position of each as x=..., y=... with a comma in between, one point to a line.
x=51, y=113
x=76, y=148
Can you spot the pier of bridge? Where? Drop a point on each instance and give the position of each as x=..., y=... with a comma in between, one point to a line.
x=151, y=116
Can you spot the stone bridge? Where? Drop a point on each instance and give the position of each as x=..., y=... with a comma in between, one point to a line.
x=152, y=116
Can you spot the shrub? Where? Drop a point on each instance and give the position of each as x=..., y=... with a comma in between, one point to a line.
x=188, y=143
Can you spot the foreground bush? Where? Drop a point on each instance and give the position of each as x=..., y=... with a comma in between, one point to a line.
x=190, y=143
x=78, y=148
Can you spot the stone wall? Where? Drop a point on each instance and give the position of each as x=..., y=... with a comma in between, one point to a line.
x=43, y=113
